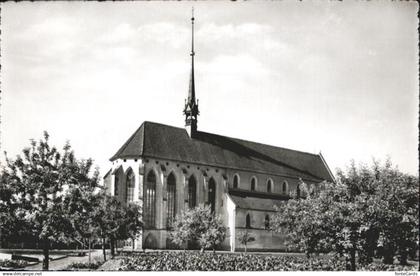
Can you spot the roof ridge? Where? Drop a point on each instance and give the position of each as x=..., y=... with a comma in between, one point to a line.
x=239, y=139
x=248, y=141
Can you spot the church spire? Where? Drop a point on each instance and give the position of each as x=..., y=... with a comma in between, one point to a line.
x=191, y=105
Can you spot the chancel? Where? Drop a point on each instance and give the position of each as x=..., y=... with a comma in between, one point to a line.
x=168, y=169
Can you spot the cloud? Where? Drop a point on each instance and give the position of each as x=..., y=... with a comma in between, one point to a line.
x=157, y=33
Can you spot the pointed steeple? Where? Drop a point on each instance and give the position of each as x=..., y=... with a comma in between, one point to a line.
x=191, y=105
x=191, y=91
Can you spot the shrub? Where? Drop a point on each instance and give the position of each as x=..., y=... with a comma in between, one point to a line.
x=244, y=238
x=13, y=263
x=82, y=265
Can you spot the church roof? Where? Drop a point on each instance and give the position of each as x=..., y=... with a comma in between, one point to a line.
x=172, y=143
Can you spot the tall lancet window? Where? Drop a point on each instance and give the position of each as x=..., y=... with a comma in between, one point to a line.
x=248, y=221
x=269, y=185
x=212, y=194
x=284, y=188
x=171, y=187
x=235, y=181
x=192, y=192
x=298, y=191
x=130, y=186
x=116, y=183
x=150, y=201
x=253, y=183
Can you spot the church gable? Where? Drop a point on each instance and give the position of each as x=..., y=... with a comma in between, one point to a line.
x=133, y=147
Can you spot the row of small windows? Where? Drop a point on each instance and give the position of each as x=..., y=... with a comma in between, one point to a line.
x=149, y=195
x=269, y=187
x=248, y=222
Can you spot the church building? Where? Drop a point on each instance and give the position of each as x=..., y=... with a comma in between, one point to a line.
x=168, y=169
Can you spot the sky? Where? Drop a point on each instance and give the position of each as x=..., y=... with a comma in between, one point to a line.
x=340, y=78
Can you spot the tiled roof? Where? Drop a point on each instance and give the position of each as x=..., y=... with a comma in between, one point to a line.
x=173, y=143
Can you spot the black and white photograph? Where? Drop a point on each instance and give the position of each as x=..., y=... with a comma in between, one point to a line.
x=209, y=136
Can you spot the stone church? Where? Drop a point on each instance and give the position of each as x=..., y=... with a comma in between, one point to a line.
x=168, y=169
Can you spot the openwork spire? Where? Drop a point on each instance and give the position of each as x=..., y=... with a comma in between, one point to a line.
x=191, y=105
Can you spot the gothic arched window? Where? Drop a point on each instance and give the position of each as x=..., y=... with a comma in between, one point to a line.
x=150, y=200
x=130, y=186
x=248, y=221
x=212, y=194
x=298, y=191
x=116, y=184
x=236, y=181
x=313, y=189
x=253, y=183
x=269, y=185
x=171, y=203
x=192, y=192
x=284, y=188
x=267, y=222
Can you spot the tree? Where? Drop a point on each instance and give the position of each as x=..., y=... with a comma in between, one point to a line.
x=214, y=235
x=388, y=199
x=36, y=186
x=200, y=225
x=116, y=221
x=245, y=237
x=365, y=209
x=82, y=205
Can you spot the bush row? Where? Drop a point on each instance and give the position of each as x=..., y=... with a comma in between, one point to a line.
x=13, y=263
x=85, y=265
x=195, y=261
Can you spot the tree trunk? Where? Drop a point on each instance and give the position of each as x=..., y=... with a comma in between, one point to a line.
x=46, y=251
x=111, y=241
x=353, y=259
x=403, y=257
x=388, y=254
x=89, y=251
x=133, y=244
x=103, y=248
x=245, y=248
x=372, y=240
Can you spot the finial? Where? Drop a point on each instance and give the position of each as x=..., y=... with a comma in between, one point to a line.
x=192, y=31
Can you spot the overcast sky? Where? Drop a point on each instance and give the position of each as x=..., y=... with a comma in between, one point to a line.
x=341, y=78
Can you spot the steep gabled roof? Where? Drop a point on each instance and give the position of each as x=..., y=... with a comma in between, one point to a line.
x=173, y=143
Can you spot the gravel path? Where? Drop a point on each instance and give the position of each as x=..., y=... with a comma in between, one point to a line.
x=63, y=263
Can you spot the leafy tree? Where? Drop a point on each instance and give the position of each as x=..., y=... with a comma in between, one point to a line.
x=366, y=208
x=388, y=202
x=117, y=221
x=82, y=205
x=35, y=186
x=198, y=224
x=245, y=237
x=214, y=235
